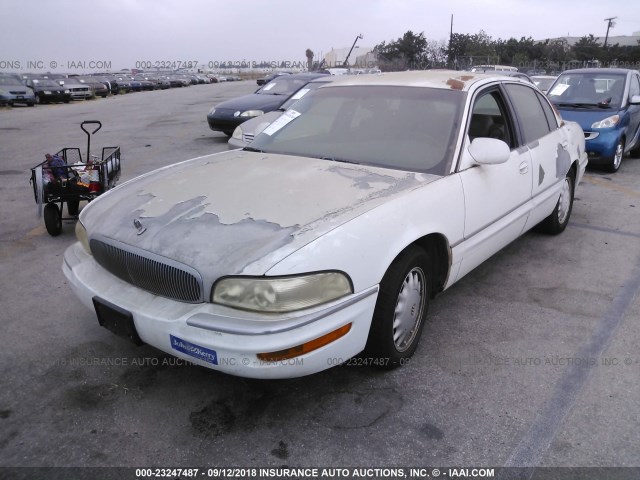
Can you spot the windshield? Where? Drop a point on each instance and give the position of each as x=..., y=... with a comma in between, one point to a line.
x=404, y=128
x=588, y=90
x=9, y=81
x=46, y=83
x=543, y=83
x=282, y=85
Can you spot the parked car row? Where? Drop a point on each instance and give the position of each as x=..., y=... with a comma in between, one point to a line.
x=31, y=88
x=605, y=102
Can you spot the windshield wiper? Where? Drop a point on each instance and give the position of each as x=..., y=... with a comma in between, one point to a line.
x=334, y=159
x=579, y=105
x=251, y=149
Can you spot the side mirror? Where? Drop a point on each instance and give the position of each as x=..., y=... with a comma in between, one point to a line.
x=635, y=100
x=489, y=151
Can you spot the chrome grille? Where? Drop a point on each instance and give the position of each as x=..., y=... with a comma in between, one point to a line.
x=153, y=273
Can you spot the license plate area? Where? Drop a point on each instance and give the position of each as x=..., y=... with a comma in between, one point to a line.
x=117, y=320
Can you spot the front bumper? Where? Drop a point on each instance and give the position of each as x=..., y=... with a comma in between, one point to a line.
x=83, y=94
x=225, y=124
x=601, y=147
x=235, y=336
x=236, y=143
x=17, y=99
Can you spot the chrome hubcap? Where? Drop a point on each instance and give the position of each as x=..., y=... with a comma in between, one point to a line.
x=564, y=202
x=409, y=309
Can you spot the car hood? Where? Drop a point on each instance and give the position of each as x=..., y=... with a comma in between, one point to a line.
x=253, y=101
x=241, y=212
x=585, y=118
x=262, y=121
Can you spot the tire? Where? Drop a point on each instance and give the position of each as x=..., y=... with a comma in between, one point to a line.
x=73, y=206
x=52, y=219
x=559, y=218
x=635, y=153
x=38, y=100
x=401, y=309
x=616, y=160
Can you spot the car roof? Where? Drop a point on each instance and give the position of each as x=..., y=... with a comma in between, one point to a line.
x=308, y=75
x=443, y=79
x=600, y=70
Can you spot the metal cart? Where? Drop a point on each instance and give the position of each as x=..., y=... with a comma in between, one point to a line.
x=70, y=180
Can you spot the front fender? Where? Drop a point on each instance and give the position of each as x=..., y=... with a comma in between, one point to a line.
x=365, y=246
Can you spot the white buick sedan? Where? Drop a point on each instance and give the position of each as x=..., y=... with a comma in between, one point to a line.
x=331, y=232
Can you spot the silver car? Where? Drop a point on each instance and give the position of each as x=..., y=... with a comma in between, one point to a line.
x=77, y=89
x=246, y=131
x=12, y=92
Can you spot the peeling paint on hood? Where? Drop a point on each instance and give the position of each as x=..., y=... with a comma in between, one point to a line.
x=222, y=213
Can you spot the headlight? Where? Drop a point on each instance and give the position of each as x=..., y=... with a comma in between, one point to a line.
x=282, y=294
x=83, y=238
x=212, y=111
x=46, y=92
x=237, y=133
x=252, y=113
x=66, y=91
x=608, y=122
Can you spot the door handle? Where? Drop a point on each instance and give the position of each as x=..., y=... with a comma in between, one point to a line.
x=524, y=168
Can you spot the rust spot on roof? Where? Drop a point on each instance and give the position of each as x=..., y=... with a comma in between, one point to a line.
x=455, y=84
x=464, y=78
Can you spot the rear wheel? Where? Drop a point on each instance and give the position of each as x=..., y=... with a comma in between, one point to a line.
x=559, y=218
x=401, y=309
x=52, y=219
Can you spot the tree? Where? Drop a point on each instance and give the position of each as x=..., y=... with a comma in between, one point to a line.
x=436, y=53
x=409, y=50
x=309, y=54
x=587, y=48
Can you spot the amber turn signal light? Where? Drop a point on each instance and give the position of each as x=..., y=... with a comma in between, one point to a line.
x=307, y=347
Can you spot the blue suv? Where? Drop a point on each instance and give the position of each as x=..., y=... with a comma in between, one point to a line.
x=606, y=104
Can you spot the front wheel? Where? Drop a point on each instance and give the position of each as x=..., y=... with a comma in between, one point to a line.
x=401, y=308
x=559, y=218
x=616, y=160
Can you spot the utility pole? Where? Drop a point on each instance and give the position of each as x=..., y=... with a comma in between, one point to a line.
x=610, y=24
x=450, y=39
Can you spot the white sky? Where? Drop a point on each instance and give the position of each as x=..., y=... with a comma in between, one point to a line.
x=125, y=31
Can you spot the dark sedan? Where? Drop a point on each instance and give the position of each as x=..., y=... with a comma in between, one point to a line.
x=48, y=91
x=226, y=116
x=267, y=78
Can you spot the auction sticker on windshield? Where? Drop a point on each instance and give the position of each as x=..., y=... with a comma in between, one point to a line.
x=559, y=89
x=282, y=120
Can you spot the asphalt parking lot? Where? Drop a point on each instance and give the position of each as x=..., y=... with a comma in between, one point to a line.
x=531, y=360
